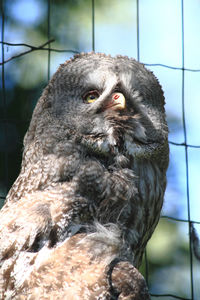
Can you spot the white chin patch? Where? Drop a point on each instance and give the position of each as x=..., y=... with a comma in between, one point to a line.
x=104, y=144
x=111, y=139
x=134, y=149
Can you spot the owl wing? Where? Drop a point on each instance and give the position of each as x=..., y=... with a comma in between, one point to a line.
x=20, y=225
x=74, y=271
x=26, y=227
x=35, y=219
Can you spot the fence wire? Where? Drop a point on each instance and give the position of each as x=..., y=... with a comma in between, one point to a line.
x=49, y=49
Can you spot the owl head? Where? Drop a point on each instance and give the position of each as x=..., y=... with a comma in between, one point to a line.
x=113, y=106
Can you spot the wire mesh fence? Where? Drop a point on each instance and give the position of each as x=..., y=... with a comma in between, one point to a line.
x=13, y=122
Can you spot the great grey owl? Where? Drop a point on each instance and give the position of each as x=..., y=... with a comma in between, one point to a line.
x=90, y=191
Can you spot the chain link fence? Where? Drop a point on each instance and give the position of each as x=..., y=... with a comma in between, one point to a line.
x=18, y=97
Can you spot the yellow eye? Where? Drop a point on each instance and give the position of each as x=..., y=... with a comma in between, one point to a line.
x=91, y=96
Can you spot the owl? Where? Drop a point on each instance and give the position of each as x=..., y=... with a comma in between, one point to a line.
x=88, y=198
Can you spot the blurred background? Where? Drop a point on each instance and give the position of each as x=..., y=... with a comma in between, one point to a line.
x=165, y=36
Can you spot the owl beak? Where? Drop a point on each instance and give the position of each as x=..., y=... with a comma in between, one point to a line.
x=118, y=102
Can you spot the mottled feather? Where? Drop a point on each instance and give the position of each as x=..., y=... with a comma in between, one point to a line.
x=91, y=185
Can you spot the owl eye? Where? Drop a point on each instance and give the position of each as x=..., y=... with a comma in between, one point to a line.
x=91, y=96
